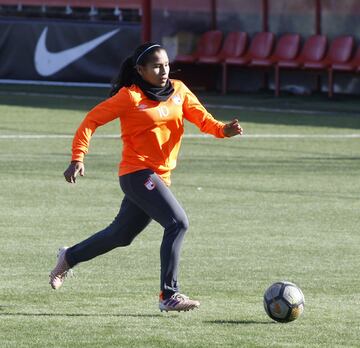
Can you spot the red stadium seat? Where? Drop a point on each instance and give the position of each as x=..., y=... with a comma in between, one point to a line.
x=340, y=59
x=260, y=48
x=312, y=53
x=355, y=62
x=234, y=46
x=351, y=65
x=339, y=52
x=286, y=53
x=287, y=49
x=208, y=46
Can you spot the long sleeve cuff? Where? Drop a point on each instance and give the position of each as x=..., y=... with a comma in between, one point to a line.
x=77, y=156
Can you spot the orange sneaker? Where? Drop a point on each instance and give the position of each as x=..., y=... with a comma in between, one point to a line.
x=61, y=270
x=177, y=302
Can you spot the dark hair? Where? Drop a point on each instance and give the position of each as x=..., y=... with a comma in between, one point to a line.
x=127, y=73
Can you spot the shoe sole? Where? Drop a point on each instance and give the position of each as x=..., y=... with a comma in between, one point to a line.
x=178, y=310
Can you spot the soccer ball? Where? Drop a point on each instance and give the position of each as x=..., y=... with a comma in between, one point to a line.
x=284, y=301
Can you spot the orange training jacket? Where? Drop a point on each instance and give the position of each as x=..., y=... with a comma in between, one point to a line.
x=151, y=131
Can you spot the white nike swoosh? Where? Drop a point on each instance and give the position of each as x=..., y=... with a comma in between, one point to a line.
x=48, y=63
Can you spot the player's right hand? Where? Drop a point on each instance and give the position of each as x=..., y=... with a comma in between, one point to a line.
x=75, y=168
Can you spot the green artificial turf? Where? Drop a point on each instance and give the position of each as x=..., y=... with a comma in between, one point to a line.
x=281, y=203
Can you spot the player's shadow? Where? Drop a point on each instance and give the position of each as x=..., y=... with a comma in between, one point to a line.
x=239, y=322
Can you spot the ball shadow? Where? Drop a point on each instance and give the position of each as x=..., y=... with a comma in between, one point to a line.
x=239, y=322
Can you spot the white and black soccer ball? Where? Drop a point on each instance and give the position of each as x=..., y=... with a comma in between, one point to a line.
x=284, y=301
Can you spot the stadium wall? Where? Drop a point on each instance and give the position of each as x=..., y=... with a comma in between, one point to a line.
x=179, y=30
x=171, y=23
x=41, y=50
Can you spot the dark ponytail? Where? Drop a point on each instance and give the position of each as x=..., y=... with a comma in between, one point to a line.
x=125, y=78
x=127, y=74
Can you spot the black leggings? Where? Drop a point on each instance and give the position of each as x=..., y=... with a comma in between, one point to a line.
x=146, y=198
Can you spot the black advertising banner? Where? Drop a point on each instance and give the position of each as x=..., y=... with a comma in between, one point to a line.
x=64, y=51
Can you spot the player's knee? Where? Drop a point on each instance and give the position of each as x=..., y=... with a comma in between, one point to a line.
x=123, y=242
x=181, y=224
x=119, y=238
x=185, y=223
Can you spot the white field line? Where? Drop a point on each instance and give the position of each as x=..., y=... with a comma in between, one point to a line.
x=265, y=109
x=188, y=136
x=215, y=106
x=50, y=95
x=208, y=105
x=53, y=83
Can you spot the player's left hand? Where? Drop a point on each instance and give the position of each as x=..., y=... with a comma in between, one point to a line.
x=233, y=128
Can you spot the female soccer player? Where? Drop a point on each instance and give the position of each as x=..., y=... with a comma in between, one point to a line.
x=151, y=108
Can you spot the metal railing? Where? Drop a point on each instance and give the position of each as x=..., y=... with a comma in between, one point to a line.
x=125, y=4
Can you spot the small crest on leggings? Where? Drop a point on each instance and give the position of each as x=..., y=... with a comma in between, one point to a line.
x=149, y=184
